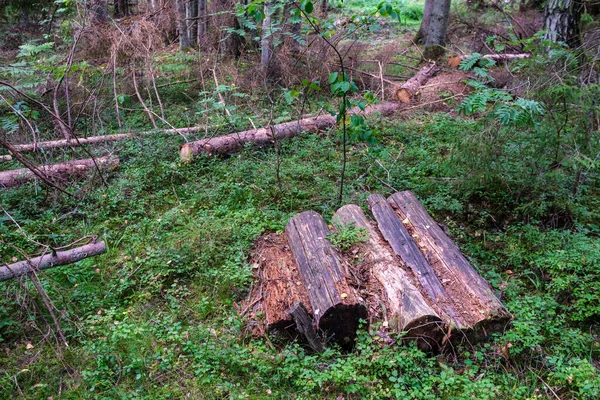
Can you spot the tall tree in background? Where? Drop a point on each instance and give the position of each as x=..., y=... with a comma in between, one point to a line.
x=561, y=21
x=184, y=38
x=421, y=36
x=436, y=32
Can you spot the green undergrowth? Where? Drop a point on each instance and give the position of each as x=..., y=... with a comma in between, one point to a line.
x=158, y=316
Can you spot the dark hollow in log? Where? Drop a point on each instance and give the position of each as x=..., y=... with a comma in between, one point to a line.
x=51, y=260
x=336, y=306
x=406, y=92
x=264, y=136
x=482, y=311
x=305, y=326
x=454, y=61
x=64, y=170
x=405, y=304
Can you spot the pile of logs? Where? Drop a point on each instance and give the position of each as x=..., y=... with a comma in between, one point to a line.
x=407, y=274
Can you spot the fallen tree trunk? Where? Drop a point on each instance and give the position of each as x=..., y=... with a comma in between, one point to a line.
x=336, y=306
x=407, y=91
x=17, y=177
x=405, y=305
x=54, y=144
x=233, y=142
x=51, y=260
x=454, y=61
x=404, y=246
x=482, y=311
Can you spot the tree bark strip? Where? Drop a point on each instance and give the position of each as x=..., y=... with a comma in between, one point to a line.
x=404, y=246
x=405, y=304
x=454, y=61
x=262, y=136
x=305, y=326
x=486, y=312
x=17, y=177
x=406, y=92
x=337, y=308
x=51, y=260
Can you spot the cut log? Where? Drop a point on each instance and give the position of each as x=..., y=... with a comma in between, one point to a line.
x=305, y=326
x=54, y=144
x=17, y=177
x=403, y=245
x=407, y=308
x=263, y=136
x=484, y=312
x=281, y=284
x=51, y=260
x=336, y=306
x=454, y=61
x=406, y=92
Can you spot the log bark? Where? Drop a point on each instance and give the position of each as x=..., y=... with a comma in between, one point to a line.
x=305, y=326
x=454, y=61
x=17, y=177
x=483, y=313
x=407, y=308
x=233, y=142
x=406, y=92
x=51, y=260
x=336, y=306
x=404, y=246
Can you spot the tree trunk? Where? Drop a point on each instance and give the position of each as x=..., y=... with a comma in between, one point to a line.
x=266, y=40
x=406, y=308
x=438, y=25
x=406, y=92
x=263, y=136
x=64, y=170
x=192, y=19
x=336, y=306
x=50, y=260
x=421, y=36
x=561, y=21
x=98, y=12
x=481, y=311
x=202, y=22
x=184, y=39
x=454, y=61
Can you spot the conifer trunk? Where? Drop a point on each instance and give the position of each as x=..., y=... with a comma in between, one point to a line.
x=438, y=25
x=424, y=28
x=561, y=21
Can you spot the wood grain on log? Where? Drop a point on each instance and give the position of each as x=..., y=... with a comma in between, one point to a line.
x=336, y=306
x=482, y=311
x=305, y=326
x=263, y=136
x=454, y=61
x=406, y=306
x=51, y=260
x=407, y=91
x=73, y=168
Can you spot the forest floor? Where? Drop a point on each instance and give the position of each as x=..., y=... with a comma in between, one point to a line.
x=158, y=316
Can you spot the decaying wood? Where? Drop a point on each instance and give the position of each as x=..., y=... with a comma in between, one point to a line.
x=454, y=61
x=63, y=170
x=407, y=91
x=336, y=306
x=50, y=260
x=482, y=311
x=263, y=136
x=305, y=326
x=406, y=307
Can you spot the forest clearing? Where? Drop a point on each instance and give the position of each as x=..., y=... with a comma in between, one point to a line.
x=351, y=199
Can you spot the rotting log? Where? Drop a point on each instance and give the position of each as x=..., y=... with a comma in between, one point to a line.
x=55, y=144
x=66, y=169
x=404, y=246
x=411, y=88
x=483, y=311
x=406, y=307
x=337, y=308
x=53, y=259
x=305, y=326
x=454, y=61
x=264, y=136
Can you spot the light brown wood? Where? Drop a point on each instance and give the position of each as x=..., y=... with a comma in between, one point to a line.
x=454, y=61
x=406, y=307
x=482, y=313
x=336, y=306
x=406, y=92
x=63, y=170
x=51, y=260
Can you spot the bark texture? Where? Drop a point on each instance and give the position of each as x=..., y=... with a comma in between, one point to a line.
x=410, y=89
x=336, y=306
x=561, y=21
x=64, y=170
x=51, y=260
x=181, y=12
x=438, y=25
x=421, y=36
